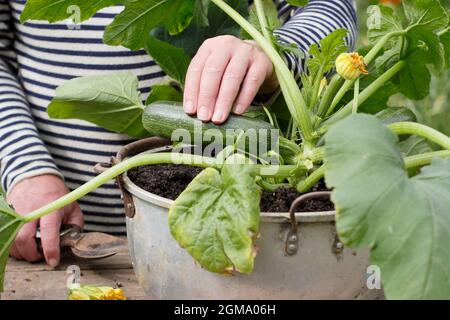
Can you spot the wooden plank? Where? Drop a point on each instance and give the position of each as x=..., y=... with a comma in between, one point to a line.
x=119, y=261
x=51, y=285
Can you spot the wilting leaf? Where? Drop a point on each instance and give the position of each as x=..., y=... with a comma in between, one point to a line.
x=217, y=218
x=10, y=224
x=405, y=221
x=111, y=101
x=52, y=11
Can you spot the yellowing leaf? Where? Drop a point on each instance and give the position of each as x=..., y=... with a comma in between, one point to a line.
x=217, y=218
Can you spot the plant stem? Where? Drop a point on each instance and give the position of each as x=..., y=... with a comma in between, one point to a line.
x=367, y=59
x=316, y=87
x=325, y=102
x=380, y=45
x=311, y=181
x=294, y=98
x=422, y=131
x=410, y=162
x=421, y=160
x=147, y=159
x=366, y=93
x=355, y=97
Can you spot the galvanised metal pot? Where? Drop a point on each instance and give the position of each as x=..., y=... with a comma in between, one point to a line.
x=300, y=255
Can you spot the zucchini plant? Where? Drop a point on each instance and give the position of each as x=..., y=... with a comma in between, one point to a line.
x=390, y=195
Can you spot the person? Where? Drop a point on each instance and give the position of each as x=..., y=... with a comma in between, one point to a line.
x=42, y=159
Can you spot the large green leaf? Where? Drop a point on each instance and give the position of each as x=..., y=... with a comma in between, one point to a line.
x=405, y=221
x=52, y=11
x=414, y=79
x=132, y=27
x=219, y=24
x=435, y=49
x=110, y=101
x=10, y=224
x=217, y=218
x=445, y=40
x=429, y=14
x=174, y=61
x=388, y=22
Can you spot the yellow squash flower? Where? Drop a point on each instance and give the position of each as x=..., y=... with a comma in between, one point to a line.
x=350, y=65
x=88, y=292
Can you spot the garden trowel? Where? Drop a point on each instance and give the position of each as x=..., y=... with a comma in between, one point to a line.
x=89, y=245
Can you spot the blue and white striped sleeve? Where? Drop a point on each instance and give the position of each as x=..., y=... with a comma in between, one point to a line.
x=22, y=153
x=313, y=22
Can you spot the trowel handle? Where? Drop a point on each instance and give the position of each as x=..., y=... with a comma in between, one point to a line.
x=69, y=235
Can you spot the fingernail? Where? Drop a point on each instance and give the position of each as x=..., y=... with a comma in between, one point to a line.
x=217, y=117
x=189, y=107
x=203, y=114
x=239, y=109
x=53, y=262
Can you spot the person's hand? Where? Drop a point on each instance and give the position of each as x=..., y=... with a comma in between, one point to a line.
x=225, y=75
x=29, y=195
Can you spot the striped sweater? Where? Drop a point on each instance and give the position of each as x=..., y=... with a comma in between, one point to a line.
x=37, y=57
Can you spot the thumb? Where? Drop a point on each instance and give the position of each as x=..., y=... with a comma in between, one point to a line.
x=50, y=228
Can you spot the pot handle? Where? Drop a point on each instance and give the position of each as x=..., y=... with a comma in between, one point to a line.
x=131, y=149
x=291, y=247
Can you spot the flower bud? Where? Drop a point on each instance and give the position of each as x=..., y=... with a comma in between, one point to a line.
x=350, y=65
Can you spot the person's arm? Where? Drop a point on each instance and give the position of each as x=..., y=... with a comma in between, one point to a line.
x=226, y=73
x=27, y=171
x=22, y=153
x=315, y=21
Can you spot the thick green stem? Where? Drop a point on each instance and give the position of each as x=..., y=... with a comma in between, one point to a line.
x=366, y=93
x=422, y=131
x=311, y=181
x=410, y=162
x=292, y=94
x=348, y=84
x=421, y=160
x=316, y=87
x=356, y=97
x=148, y=159
x=330, y=92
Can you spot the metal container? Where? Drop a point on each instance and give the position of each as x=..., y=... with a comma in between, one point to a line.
x=300, y=256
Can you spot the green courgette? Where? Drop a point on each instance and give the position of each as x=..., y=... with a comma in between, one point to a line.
x=165, y=118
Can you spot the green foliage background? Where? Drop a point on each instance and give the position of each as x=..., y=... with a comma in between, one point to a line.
x=434, y=110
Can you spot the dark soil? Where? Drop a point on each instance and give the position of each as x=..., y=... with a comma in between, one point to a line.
x=170, y=180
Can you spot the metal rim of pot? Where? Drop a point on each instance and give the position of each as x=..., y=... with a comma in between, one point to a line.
x=157, y=144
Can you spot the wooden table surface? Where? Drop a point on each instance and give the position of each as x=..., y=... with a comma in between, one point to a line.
x=34, y=281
